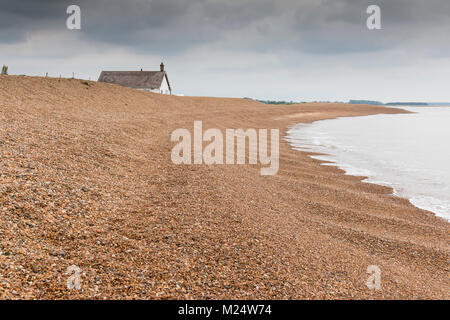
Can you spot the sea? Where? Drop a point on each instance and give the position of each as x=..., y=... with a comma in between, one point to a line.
x=408, y=152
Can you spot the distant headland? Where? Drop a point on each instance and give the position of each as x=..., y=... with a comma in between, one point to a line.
x=379, y=103
x=369, y=102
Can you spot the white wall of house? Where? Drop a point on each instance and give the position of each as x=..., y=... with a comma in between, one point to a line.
x=164, y=87
x=151, y=90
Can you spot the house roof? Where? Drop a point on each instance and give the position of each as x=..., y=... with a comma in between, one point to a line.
x=135, y=79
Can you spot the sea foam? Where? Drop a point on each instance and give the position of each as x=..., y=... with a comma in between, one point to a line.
x=408, y=152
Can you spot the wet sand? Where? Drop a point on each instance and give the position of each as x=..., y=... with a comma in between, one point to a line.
x=86, y=179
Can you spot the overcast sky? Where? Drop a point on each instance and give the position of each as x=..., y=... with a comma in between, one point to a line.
x=302, y=50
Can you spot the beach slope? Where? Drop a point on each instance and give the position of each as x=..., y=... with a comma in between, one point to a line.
x=86, y=179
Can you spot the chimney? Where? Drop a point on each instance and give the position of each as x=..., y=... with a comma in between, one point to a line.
x=162, y=67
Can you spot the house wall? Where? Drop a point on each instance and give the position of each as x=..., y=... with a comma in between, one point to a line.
x=151, y=90
x=164, y=87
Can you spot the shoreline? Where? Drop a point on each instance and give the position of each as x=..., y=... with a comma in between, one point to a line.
x=364, y=179
x=87, y=180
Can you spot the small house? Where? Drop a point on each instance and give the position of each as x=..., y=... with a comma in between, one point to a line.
x=152, y=81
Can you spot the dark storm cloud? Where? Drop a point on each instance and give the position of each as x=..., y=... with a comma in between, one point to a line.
x=334, y=27
x=172, y=26
x=158, y=24
x=17, y=18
